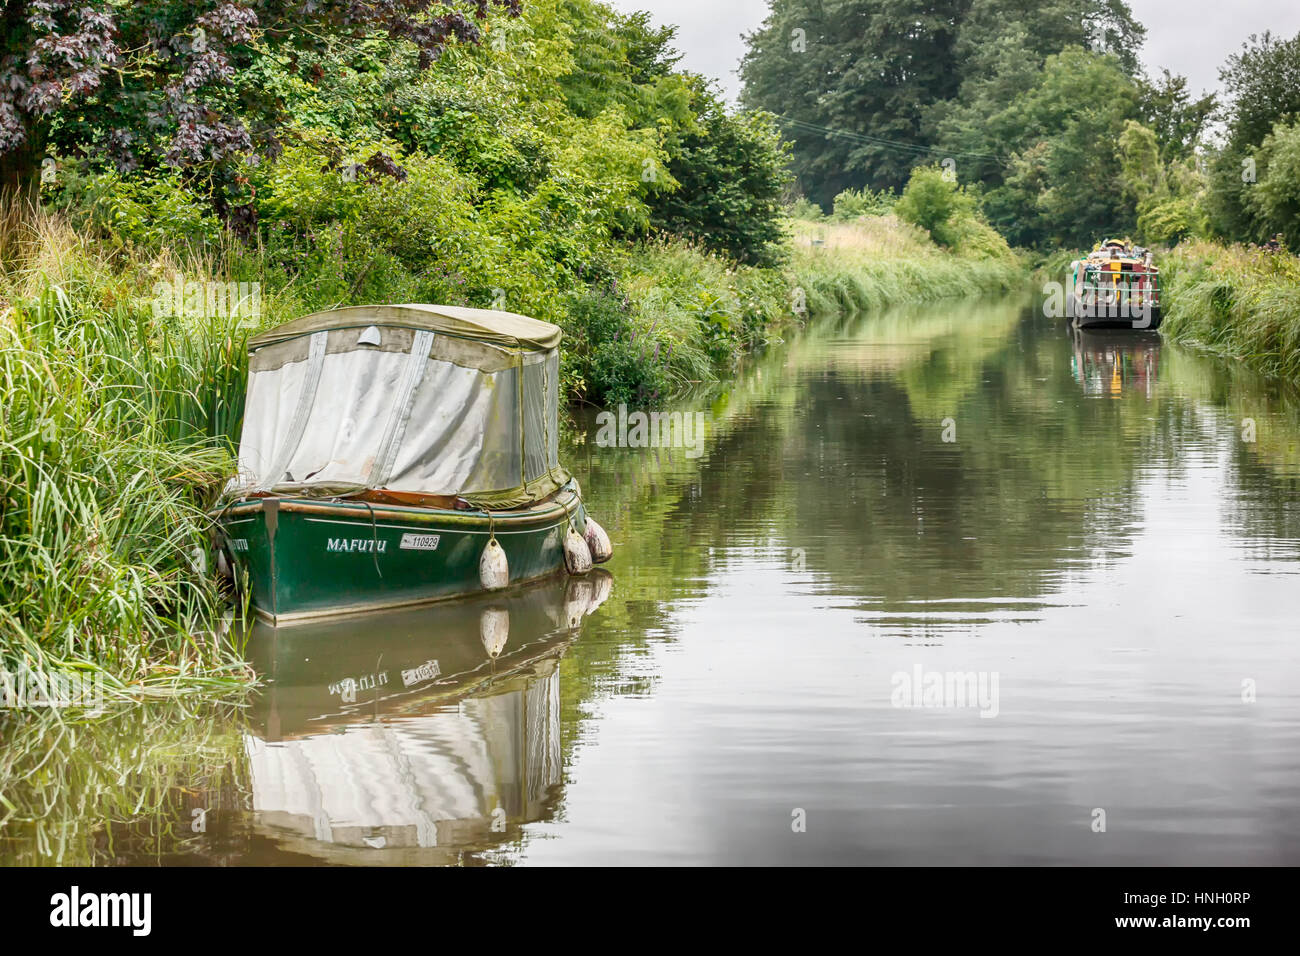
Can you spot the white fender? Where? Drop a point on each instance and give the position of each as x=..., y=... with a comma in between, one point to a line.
x=493, y=570
x=577, y=556
x=598, y=542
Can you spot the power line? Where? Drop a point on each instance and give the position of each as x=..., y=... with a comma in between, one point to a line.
x=867, y=139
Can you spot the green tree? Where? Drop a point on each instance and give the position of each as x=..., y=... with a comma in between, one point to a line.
x=1063, y=178
x=1001, y=48
x=1139, y=160
x=162, y=81
x=1177, y=120
x=1275, y=201
x=1168, y=196
x=1262, y=84
x=725, y=171
x=866, y=89
x=730, y=170
x=850, y=82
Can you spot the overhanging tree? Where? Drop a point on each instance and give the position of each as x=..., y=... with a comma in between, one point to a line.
x=145, y=82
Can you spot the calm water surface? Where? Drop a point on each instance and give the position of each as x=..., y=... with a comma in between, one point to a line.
x=1076, y=528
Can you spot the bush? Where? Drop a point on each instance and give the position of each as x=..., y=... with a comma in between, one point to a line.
x=936, y=204
x=607, y=362
x=804, y=210
x=149, y=211
x=854, y=203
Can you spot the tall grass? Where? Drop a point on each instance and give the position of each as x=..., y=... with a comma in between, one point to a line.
x=1236, y=300
x=114, y=438
x=879, y=261
x=707, y=310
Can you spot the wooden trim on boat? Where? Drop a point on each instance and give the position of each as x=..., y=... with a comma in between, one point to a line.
x=564, y=504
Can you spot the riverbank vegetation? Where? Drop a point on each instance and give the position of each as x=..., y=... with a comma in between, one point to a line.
x=874, y=261
x=1239, y=300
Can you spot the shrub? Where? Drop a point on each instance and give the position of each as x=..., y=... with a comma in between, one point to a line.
x=854, y=203
x=607, y=362
x=807, y=211
x=936, y=204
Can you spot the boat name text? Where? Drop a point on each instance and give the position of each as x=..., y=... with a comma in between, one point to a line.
x=357, y=544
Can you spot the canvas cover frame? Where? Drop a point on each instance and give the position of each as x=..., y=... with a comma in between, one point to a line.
x=423, y=400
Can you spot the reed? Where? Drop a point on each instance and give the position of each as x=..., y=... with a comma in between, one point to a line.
x=878, y=261
x=114, y=437
x=1236, y=300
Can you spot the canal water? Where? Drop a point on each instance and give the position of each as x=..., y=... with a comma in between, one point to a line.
x=943, y=585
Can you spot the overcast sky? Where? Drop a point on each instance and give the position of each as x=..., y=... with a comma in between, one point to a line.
x=1191, y=37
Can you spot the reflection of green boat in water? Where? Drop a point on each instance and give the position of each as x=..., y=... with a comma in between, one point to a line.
x=1114, y=364
x=436, y=734
x=397, y=455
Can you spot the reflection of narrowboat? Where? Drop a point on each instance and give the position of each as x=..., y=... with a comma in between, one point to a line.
x=396, y=455
x=1117, y=286
x=1113, y=364
x=436, y=735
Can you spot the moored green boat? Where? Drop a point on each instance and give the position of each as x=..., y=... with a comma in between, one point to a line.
x=397, y=455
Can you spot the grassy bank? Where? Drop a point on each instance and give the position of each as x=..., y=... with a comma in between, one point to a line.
x=878, y=261
x=1237, y=300
x=111, y=444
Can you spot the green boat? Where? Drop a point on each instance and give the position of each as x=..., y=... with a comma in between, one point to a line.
x=396, y=455
x=1117, y=286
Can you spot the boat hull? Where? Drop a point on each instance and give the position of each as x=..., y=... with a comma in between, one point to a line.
x=306, y=559
x=1144, y=323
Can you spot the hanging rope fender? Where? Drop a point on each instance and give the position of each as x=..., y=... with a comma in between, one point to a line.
x=493, y=568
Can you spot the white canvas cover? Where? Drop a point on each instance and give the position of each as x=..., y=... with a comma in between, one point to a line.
x=400, y=409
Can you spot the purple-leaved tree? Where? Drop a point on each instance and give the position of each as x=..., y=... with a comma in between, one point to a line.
x=155, y=81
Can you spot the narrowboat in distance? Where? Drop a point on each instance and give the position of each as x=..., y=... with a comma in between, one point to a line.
x=398, y=455
x=1117, y=286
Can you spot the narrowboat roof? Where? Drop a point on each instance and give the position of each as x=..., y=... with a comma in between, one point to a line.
x=485, y=325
